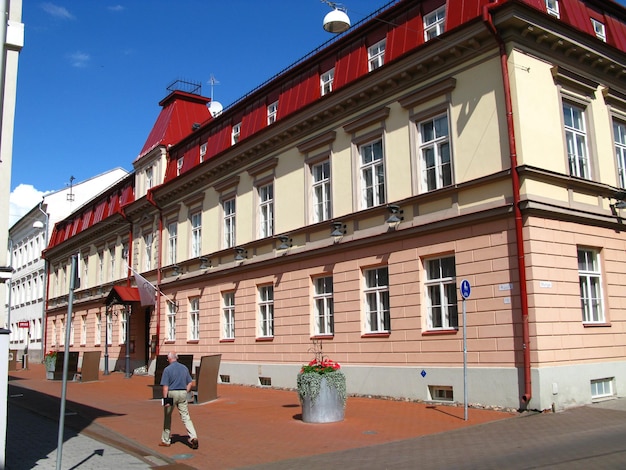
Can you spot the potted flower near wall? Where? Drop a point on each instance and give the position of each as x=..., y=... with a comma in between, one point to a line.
x=50, y=360
x=322, y=389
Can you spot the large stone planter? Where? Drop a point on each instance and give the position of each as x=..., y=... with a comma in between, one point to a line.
x=50, y=371
x=327, y=407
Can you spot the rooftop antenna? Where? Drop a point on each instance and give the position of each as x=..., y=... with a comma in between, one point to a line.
x=70, y=196
x=215, y=108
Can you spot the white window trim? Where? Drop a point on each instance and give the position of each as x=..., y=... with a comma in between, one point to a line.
x=436, y=144
x=229, y=210
x=326, y=82
x=434, y=22
x=599, y=29
x=228, y=315
x=379, y=196
x=235, y=133
x=552, y=8
x=266, y=210
x=194, y=319
x=376, y=55
x=588, y=279
x=171, y=321
x=195, y=242
x=323, y=316
x=619, y=141
x=441, y=283
x=272, y=113
x=574, y=159
x=321, y=192
x=380, y=293
x=265, y=312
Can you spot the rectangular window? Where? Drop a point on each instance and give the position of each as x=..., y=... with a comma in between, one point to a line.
x=440, y=288
x=552, y=7
x=266, y=210
x=435, y=153
x=98, y=339
x=228, y=206
x=228, y=315
x=321, y=191
x=147, y=262
x=172, y=242
x=590, y=280
x=434, y=23
x=272, y=111
x=266, y=311
x=123, y=326
x=376, y=55
x=179, y=165
x=111, y=264
x=149, y=178
x=602, y=388
x=372, y=174
x=171, y=321
x=109, y=330
x=196, y=234
x=576, y=141
x=599, y=29
x=323, y=300
x=194, y=319
x=83, y=329
x=101, y=267
x=376, y=292
x=235, y=134
x=326, y=82
x=202, y=151
x=619, y=137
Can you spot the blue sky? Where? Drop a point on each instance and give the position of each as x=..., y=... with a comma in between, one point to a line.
x=91, y=73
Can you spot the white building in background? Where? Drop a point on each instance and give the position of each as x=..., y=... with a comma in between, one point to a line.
x=28, y=237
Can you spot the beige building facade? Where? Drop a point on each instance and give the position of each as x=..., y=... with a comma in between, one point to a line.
x=491, y=151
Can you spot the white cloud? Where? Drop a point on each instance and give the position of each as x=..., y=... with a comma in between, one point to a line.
x=57, y=11
x=116, y=8
x=79, y=59
x=22, y=199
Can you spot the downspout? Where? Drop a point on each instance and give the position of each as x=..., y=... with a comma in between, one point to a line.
x=151, y=200
x=519, y=237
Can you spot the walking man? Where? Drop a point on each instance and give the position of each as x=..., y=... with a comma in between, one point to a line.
x=176, y=382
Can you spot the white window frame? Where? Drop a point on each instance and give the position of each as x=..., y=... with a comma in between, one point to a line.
x=171, y=321
x=179, y=165
x=109, y=327
x=376, y=300
x=321, y=190
x=619, y=140
x=602, y=388
x=376, y=55
x=272, y=113
x=112, y=264
x=100, y=269
x=599, y=29
x=195, y=245
x=440, y=292
x=235, y=133
x=266, y=311
x=434, y=142
x=228, y=315
x=372, y=170
x=434, y=23
x=194, y=319
x=590, y=283
x=229, y=209
x=326, y=82
x=576, y=144
x=172, y=242
x=552, y=8
x=149, y=178
x=266, y=210
x=203, y=148
x=83, y=330
x=98, y=338
x=323, y=306
x=147, y=240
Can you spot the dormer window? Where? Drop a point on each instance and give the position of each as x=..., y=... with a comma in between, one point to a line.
x=326, y=82
x=376, y=55
x=235, y=134
x=552, y=7
x=599, y=29
x=272, y=110
x=179, y=165
x=149, y=178
x=434, y=23
x=202, y=151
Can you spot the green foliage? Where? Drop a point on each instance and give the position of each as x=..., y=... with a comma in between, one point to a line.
x=309, y=383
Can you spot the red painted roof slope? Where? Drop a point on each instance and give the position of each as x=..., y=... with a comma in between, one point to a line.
x=180, y=111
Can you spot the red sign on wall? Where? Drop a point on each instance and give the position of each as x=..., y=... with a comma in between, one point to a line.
x=23, y=324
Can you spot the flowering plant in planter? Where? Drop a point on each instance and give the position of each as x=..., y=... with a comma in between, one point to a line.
x=50, y=359
x=310, y=377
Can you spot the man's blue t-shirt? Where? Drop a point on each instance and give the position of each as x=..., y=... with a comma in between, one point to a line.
x=176, y=376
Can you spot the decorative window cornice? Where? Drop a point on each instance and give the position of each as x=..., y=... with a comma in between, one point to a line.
x=371, y=117
x=573, y=81
x=427, y=93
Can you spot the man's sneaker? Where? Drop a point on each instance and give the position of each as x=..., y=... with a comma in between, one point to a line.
x=193, y=443
x=164, y=444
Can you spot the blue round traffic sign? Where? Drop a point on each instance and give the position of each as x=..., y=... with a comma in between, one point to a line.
x=466, y=289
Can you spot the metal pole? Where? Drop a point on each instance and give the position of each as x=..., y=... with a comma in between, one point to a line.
x=464, y=362
x=127, y=313
x=106, y=340
x=66, y=358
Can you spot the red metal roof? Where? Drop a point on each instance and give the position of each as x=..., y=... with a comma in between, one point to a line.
x=180, y=110
x=122, y=295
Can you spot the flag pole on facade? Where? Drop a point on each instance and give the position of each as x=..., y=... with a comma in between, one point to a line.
x=147, y=290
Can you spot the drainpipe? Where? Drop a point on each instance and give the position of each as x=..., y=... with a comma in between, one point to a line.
x=519, y=238
x=151, y=200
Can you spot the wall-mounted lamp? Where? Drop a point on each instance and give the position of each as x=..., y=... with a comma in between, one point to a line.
x=395, y=215
x=338, y=231
x=620, y=197
x=285, y=242
x=240, y=254
x=336, y=21
x=205, y=262
x=176, y=270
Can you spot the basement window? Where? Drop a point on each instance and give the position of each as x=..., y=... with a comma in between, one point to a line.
x=265, y=381
x=602, y=388
x=225, y=379
x=441, y=393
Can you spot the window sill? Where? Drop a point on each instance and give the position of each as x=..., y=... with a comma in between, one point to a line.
x=381, y=334
x=193, y=341
x=322, y=337
x=169, y=341
x=264, y=339
x=440, y=332
x=227, y=340
x=596, y=325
